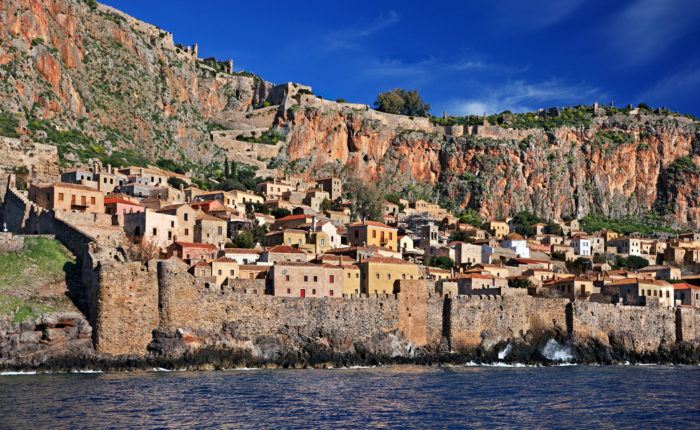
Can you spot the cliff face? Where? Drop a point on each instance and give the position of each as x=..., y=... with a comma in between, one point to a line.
x=615, y=167
x=118, y=81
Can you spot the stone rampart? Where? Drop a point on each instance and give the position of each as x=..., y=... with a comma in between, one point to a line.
x=641, y=329
x=10, y=242
x=126, y=307
x=35, y=162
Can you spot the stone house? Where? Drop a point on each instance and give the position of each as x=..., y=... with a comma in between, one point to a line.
x=241, y=255
x=626, y=245
x=210, y=229
x=201, y=270
x=283, y=253
x=665, y=272
x=306, y=280
x=338, y=217
x=292, y=221
x=68, y=197
x=437, y=273
x=379, y=274
x=391, y=209
x=466, y=254
x=636, y=291
x=538, y=276
x=493, y=270
x=168, y=193
x=540, y=228
x=151, y=227
x=372, y=233
x=551, y=239
x=192, y=251
x=226, y=198
x=185, y=220
x=224, y=268
x=78, y=176
x=119, y=207
x=109, y=181
x=253, y=271
x=498, y=229
x=573, y=287
x=466, y=283
x=289, y=237
x=207, y=206
x=686, y=294
x=153, y=203
x=333, y=186
x=314, y=199
x=275, y=204
x=569, y=227
x=273, y=190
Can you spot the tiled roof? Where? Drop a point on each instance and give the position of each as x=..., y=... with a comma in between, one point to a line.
x=196, y=245
x=69, y=185
x=224, y=260
x=685, y=286
x=241, y=251
x=372, y=224
x=207, y=217
x=122, y=201
x=386, y=260
x=283, y=249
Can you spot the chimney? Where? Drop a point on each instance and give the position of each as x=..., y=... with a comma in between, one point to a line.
x=109, y=169
x=141, y=172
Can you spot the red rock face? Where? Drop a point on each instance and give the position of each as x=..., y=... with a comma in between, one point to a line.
x=567, y=172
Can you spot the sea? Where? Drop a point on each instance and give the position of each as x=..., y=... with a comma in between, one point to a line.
x=401, y=397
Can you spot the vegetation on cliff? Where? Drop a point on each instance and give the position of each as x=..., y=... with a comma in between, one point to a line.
x=33, y=281
x=402, y=102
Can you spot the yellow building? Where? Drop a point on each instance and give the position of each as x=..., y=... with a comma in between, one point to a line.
x=372, y=233
x=223, y=268
x=378, y=274
x=498, y=229
x=288, y=237
x=351, y=280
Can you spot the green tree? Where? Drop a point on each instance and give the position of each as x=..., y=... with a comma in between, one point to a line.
x=244, y=239
x=635, y=262
x=365, y=200
x=523, y=223
x=280, y=213
x=599, y=258
x=326, y=205
x=554, y=228
x=402, y=102
x=519, y=283
x=176, y=182
x=471, y=217
x=443, y=262
x=460, y=236
x=395, y=199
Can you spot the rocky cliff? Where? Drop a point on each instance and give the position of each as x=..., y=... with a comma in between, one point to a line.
x=99, y=84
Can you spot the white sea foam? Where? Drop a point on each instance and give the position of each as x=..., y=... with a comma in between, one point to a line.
x=557, y=352
x=503, y=354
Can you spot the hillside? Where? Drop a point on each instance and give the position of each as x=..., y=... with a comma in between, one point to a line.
x=99, y=84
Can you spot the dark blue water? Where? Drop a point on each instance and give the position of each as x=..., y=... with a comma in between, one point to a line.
x=388, y=397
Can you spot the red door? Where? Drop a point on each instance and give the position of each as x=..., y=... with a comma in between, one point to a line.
x=302, y=293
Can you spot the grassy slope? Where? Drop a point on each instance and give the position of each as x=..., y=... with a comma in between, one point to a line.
x=33, y=281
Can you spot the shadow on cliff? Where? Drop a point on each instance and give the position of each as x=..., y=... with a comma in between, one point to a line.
x=75, y=291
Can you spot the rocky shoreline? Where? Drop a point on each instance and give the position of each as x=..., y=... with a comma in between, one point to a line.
x=62, y=343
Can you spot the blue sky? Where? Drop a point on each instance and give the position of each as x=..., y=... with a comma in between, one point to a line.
x=465, y=57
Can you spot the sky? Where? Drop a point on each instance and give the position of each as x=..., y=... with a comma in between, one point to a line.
x=463, y=57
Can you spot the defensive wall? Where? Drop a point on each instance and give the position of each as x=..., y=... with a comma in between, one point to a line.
x=134, y=299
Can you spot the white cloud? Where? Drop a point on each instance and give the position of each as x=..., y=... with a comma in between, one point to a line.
x=640, y=32
x=674, y=86
x=519, y=96
x=349, y=37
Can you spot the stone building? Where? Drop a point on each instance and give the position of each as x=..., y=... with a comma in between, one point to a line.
x=224, y=268
x=241, y=255
x=686, y=294
x=582, y=246
x=185, y=220
x=379, y=274
x=210, y=229
x=573, y=287
x=635, y=291
x=68, y=197
x=373, y=233
x=119, y=207
x=289, y=237
x=467, y=283
x=517, y=244
x=498, y=229
x=273, y=190
x=151, y=227
x=192, y=251
x=333, y=186
x=283, y=253
x=306, y=280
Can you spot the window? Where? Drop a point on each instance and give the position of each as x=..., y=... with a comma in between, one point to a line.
x=187, y=256
x=187, y=232
x=185, y=216
x=391, y=235
x=306, y=278
x=219, y=272
x=288, y=290
x=289, y=240
x=219, y=230
x=313, y=291
x=170, y=234
x=323, y=242
x=172, y=224
x=155, y=231
x=377, y=275
x=330, y=293
x=60, y=197
x=403, y=276
x=388, y=276
x=357, y=275
x=233, y=272
x=331, y=279
x=315, y=278
x=83, y=200
x=357, y=234
x=374, y=234
x=348, y=275
x=286, y=278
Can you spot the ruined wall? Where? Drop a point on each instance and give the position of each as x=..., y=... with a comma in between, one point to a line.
x=126, y=305
x=484, y=321
x=10, y=242
x=687, y=325
x=636, y=328
x=413, y=318
x=34, y=162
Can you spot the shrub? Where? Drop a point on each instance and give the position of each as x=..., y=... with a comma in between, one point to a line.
x=340, y=100
x=443, y=262
x=402, y=102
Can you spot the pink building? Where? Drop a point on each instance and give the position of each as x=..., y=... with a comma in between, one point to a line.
x=120, y=207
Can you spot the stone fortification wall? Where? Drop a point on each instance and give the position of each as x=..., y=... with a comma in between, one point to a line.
x=497, y=132
x=688, y=325
x=10, y=242
x=484, y=321
x=126, y=307
x=35, y=162
x=634, y=328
